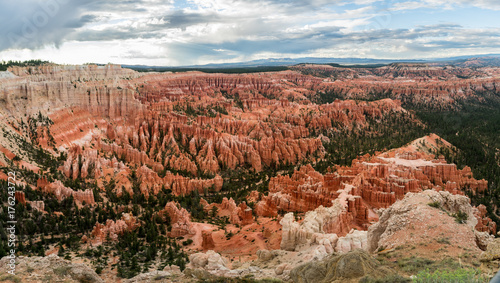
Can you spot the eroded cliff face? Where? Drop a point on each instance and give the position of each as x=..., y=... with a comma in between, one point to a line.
x=181, y=131
x=193, y=124
x=93, y=88
x=424, y=85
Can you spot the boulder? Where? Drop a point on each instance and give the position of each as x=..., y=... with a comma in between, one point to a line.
x=265, y=255
x=152, y=276
x=492, y=251
x=349, y=267
x=210, y=261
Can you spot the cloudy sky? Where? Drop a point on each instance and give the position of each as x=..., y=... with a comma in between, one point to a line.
x=172, y=32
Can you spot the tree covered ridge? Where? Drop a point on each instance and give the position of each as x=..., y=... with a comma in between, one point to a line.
x=4, y=65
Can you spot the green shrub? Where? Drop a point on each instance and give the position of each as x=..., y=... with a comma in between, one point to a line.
x=393, y=278
x=443, y=241
x=414, y=264
x=458, y=275
x=98, y=270
x=241, y=280
x=435, y=204
x=461, y=217
x=62, y=270
x=10, y=278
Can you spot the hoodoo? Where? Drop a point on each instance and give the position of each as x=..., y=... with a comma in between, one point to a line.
x=266, y=175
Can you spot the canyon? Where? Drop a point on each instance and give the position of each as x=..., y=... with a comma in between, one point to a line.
x=222, y=170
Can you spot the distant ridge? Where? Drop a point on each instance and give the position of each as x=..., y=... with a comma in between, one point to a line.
x=284, y=62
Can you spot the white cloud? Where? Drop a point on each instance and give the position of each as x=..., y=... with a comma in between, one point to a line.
x=202, y=31
x=410, y=5
x=445, y=4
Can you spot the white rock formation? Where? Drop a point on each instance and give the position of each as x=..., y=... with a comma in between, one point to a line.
x=354, y=240
x=210, y=261
x=310, y=232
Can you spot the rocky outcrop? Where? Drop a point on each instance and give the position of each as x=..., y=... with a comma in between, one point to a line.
x=266, y=208
x=338, y=202
x=371, y=183
x=244, y=214
x=241, y=214
x=310, y=231
x=315, y=230
x=168, y=274
x=112, y=229
x=354, y=240
x=265, y=255
x=349, y=267
x=210, y=265
x=72, y=126
x=427, y=216
x=484, y=223
x=237, y=214
x=180, y=219
x=492, y=252
x=176, y=145
x=324, y=225
x=79, y=162
x=180, y=133
x=37, y=205
x=73, y=73
x=210, y=261
x=152, y=276
x=490, y=258
x=38, y=269
x=309, y=187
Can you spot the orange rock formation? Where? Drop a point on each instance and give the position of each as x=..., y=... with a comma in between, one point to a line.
x=207, y=240
x=61, y=192
x=371, y=182
x=111, y=229
x=180, y=219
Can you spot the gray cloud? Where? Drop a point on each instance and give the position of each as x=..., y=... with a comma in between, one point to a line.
x=176, y=19
x=181, y=19
x=33, y=24
x=78, y=23
x=325, y=38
